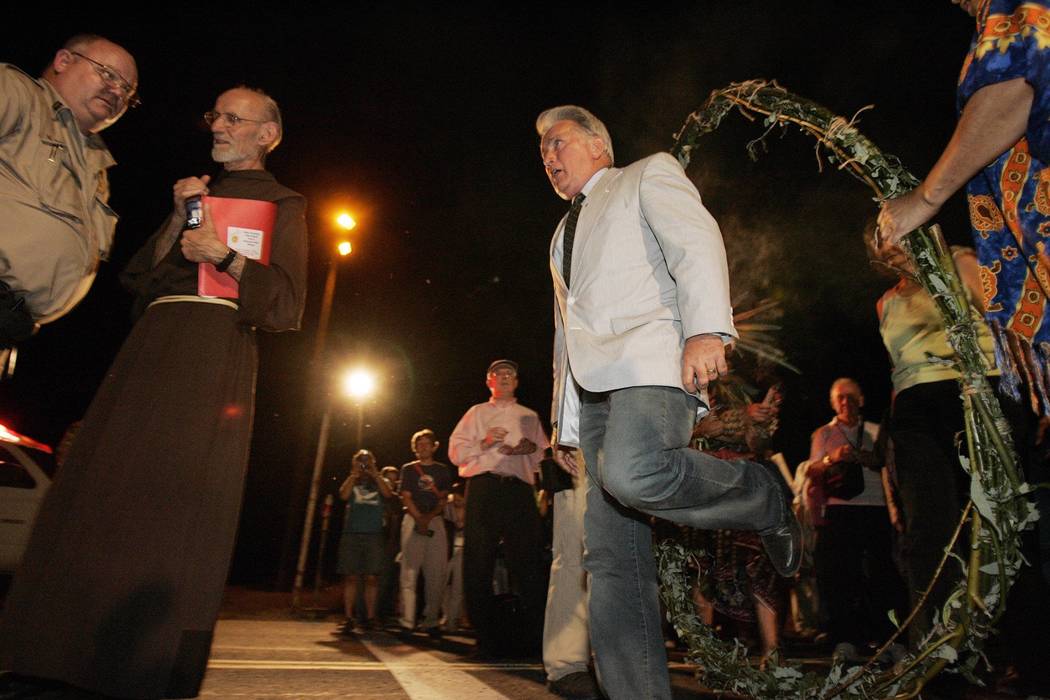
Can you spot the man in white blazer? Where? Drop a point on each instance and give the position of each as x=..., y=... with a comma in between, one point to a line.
x=642, y=316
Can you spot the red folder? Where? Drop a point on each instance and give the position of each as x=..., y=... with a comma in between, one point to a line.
x=246, y=225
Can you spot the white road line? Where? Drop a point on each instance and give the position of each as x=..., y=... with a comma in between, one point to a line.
x=254, y=695
x=279, y=665
x=418, y=673
x=313, y=648
x=430, y=665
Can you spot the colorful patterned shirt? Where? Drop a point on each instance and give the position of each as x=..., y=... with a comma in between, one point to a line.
x=1009, y=200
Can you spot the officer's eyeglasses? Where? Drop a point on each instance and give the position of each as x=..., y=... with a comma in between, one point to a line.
x=113, y=79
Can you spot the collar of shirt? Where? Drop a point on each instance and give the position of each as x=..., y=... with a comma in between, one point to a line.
x=64, y=115
x=857, y=432
x=502, y=402
x=586, y=191
x=836, y=421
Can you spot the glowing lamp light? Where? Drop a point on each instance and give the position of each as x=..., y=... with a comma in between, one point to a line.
x=359, y=383
x=345, y=221
x=344, y=248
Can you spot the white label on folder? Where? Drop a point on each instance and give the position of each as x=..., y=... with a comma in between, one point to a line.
x=246, y=241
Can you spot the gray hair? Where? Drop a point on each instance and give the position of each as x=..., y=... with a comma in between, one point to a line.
x=273, y=114
x=82, y=41
x=584, y=119
x=79, y=42
x=843, y=381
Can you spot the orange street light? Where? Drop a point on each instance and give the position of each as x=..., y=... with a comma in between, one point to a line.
x=345, y=221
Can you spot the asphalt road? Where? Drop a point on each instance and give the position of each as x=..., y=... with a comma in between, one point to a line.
x=261, y=653
x=282, y=659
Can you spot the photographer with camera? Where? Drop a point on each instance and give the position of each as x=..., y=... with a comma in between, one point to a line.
x=362, y=550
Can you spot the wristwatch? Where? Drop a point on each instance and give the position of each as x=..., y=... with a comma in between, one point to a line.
x=225, y=263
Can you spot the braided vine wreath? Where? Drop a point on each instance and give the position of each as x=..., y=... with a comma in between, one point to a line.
x=997, y=510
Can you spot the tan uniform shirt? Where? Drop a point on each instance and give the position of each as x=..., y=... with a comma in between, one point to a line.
x=55, y=223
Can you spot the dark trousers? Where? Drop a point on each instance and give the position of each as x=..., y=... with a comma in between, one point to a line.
x=501, y=508
x=933, y=487
x=856, y=574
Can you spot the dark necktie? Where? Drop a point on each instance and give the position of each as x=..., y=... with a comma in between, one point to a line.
x=570, y=235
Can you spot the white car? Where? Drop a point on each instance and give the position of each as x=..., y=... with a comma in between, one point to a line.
x=26, y=470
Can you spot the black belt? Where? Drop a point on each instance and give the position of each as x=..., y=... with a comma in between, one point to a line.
x=500, y=477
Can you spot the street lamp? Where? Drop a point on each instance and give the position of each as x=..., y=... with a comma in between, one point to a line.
x=345, y=222
x=344, y=248
x=359, y=384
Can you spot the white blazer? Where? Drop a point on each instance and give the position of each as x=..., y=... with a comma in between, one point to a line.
x=648, y=271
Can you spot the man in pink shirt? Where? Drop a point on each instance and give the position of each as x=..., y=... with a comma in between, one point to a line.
x=498, y=446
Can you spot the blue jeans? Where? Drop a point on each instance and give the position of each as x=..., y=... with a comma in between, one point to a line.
x=634, y=443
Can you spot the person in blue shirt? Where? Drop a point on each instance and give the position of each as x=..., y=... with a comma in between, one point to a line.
x=362, y=546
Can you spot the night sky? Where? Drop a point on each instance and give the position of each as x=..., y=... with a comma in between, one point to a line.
x=420, y=121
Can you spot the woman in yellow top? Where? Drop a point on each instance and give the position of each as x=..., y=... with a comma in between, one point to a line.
x=927, y=416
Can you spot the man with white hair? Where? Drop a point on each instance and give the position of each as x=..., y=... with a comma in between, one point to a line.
x=55, y=221
x=642, y=317
x=848, y=491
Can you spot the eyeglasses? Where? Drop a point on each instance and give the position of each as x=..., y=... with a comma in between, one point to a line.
x=232, y=119
x=505, y=372
x=113, y=79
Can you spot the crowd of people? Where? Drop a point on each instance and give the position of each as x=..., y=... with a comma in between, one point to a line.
x=120, y=585
x=472, y=537
x=869, y=548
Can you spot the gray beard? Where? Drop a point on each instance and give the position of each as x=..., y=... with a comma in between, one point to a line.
x=230, y=155
x=224, y=156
